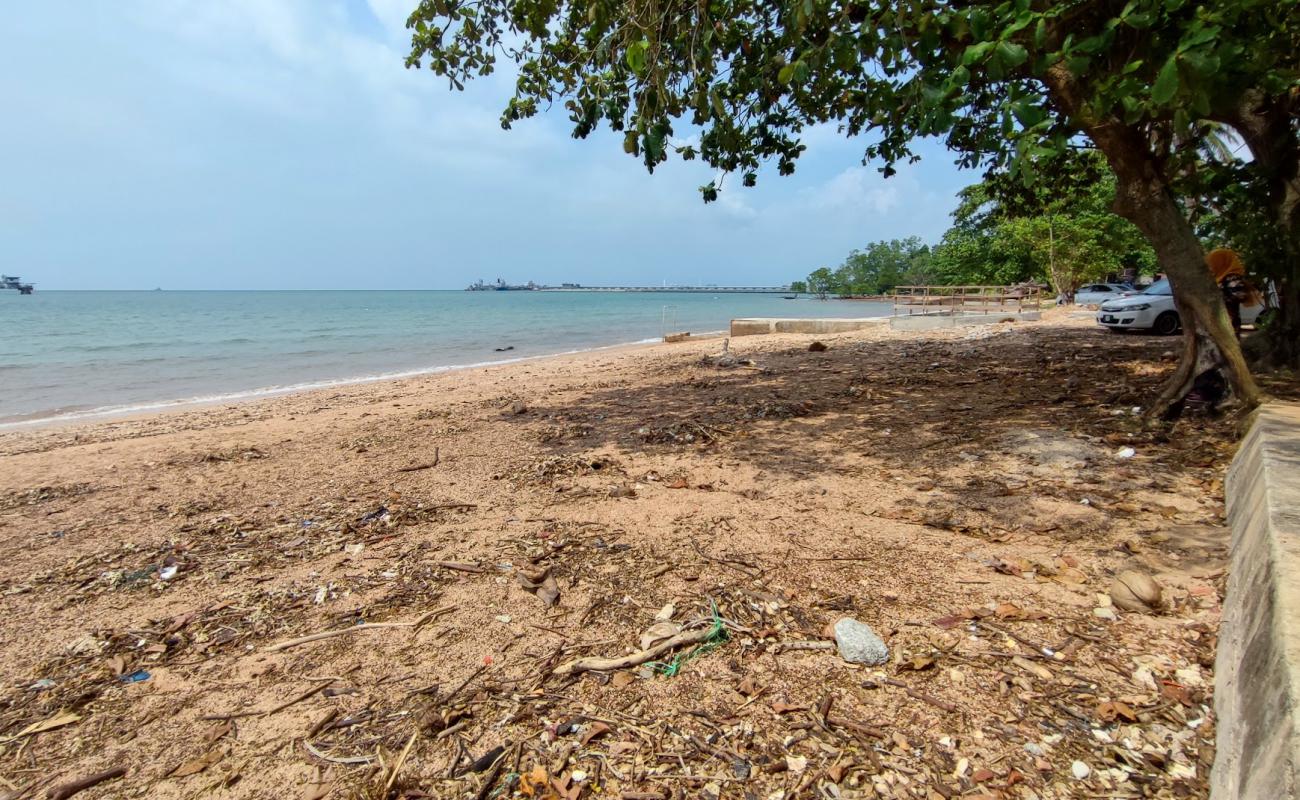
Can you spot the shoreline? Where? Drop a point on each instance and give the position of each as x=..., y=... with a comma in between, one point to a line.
x=149, y=408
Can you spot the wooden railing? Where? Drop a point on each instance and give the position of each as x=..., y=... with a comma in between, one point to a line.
x=965, y=299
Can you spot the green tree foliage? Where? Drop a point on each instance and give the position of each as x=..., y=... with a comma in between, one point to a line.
x=821, y=282
x=882, y=266
x=1060, y=231
x=798, y=287
x=1005, y=84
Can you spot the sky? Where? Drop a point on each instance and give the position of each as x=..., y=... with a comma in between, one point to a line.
x=283, y=144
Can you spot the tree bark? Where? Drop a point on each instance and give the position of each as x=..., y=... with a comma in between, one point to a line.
x=1143, y=197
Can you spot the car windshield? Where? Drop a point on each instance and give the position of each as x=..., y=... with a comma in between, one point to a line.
x=1159, y=287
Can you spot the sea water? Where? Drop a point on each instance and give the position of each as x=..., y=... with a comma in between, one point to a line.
x=71, y=355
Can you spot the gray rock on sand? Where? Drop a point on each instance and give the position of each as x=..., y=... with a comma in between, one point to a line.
x=859, y=644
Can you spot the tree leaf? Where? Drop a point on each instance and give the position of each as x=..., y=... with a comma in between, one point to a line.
x=636, y=56
x=1012, y=54
x=1166, y=85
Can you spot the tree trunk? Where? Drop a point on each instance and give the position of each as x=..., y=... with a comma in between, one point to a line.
x=1265, y=123
x=1208, y=337
x=1144, y=198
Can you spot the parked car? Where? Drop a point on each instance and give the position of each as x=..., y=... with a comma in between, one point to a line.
x=1153, y=309
x=1098, y=293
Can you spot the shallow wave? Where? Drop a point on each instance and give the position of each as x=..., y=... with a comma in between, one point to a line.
x=63, y=415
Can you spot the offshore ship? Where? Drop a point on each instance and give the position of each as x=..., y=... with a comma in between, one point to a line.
x=501, y=286
x=15, y=282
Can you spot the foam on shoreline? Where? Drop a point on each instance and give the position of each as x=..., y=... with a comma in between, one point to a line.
x=109, y=412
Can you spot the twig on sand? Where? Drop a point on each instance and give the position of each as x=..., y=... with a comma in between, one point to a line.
x=914, y=694
x=803, y=645
x=66, y=790
x=461, y=566
x=401, y=759
x=418, y=467
x=365, y=626
x=319, y=686
x=639, y=657
x=337, y=759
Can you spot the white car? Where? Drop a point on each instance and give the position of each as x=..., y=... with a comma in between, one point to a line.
x=1098, y=293
x=1153, y=309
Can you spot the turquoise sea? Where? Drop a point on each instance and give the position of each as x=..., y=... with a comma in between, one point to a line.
x=70, y=355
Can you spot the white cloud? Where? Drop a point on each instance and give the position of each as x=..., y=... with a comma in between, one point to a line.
x=860, y=189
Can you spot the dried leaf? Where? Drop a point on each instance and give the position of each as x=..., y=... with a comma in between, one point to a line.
x=785, y=708
x=596, y=729
x=56, y=721
x=917, y=663
x=1011, y=611
x=197, y=765
x=1029, y=666
x=1114, y=710
x=622, y=679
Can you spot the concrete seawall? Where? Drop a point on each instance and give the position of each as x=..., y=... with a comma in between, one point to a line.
x=1257, y=666
x=755, y=326
x=930, y=322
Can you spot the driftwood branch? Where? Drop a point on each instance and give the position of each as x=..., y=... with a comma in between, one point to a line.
x=365, y=626
x=66, y=790
x=633, y=659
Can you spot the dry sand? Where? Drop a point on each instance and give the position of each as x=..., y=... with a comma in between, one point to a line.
x=958, y=491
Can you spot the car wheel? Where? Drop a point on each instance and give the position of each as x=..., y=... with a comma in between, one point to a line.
x=1166, y=324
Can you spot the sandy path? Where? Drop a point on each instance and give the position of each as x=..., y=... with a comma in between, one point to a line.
x=959, y=492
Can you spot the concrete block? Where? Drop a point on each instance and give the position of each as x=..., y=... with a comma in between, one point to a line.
x=1257, y=666
x=750, y=327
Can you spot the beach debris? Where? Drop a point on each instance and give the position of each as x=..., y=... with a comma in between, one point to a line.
x=703, y=640
x=1080, y=770
x=858, y=643
x=505, y=349
x=726, y=359
x=817, y=347
x=197, y=765
x=622, y=491
x=139, y=676
x=542, y=584
x=1125, y=452
x=57, y=721
x=1136, y=591
x=65, y=790
x=41, y=685
x=658, y=632
x=365, y=626
x=378, y=515
x=168, y=572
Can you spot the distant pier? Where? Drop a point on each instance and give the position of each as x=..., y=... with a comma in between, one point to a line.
x=695, y=289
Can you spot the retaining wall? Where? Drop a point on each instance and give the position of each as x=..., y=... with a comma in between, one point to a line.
x=1257, y=665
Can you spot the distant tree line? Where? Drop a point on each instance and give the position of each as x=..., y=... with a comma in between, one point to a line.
x=1061, y=232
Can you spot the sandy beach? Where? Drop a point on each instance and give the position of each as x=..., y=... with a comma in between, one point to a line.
x=960, y=492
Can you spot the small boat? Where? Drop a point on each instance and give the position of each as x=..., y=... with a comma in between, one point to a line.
x=789, y=297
